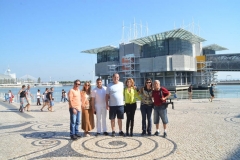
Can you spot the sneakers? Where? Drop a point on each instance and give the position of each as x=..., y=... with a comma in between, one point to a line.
x=105, y=133
x=73, y=138
x=149, y=133
x=164, y=135
x=121, y=133
x=156, y=133
x=97, y=134
x=113, y=134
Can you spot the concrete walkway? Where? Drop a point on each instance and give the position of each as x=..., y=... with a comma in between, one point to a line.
x=197, y=129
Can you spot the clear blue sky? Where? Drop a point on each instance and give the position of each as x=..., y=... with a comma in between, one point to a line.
x=43, y=38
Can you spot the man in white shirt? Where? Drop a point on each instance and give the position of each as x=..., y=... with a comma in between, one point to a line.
x=114, y=95
x=99, y=106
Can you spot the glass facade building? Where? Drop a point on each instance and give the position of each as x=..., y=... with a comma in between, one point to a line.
x=108, y=56
x=169, y=46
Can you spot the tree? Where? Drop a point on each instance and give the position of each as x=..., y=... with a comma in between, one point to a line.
x=39, y=80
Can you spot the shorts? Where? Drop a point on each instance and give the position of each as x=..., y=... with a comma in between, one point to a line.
x=116, y=110
x=160, y=112
x=29, y=101
x=212, y=94
x=51, y=103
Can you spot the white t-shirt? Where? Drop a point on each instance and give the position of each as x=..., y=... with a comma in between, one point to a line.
x=38, y=94
x=99, y=95
x=115, y=92
x=9, y=95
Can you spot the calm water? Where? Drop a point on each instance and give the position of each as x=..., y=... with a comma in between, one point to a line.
x=221, y=91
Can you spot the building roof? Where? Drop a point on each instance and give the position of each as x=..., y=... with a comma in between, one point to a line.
x=3, y=76
x=215, y=47
x=176, y=33
x=100, y=49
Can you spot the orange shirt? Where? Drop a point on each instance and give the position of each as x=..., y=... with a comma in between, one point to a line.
x=74, y=99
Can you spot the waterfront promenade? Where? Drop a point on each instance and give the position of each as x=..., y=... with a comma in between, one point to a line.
x=197, y=129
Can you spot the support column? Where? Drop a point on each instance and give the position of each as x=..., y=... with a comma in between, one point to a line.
x=181, y=78
x=163, y=78
x=186, y=77
x=175, y=79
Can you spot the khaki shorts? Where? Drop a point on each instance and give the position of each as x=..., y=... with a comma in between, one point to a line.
x=29, y=101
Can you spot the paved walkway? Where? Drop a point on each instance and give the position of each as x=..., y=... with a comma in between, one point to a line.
x=197, y=129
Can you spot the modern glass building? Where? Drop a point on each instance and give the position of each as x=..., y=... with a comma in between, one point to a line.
x=170, y=57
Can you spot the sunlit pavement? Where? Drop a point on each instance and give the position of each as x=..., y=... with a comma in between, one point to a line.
x=197, y=129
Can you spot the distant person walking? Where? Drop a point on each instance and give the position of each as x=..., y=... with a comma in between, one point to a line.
x=45, y=99
x=51, y=99
x=22, y=95
x=75, y=110
x=190, y=92
x=38, y=97
x=28, y=97
x=63, y=95
x=211, y=91
x=130, y=95
x=65, y=98
x=99, y=106
x=146, y=107
x=87, y=110
x=175, y=95
x=10, y=96
x=114, y=95
x=160, y=94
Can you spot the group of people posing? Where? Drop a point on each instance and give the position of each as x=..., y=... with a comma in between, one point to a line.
x=118, y=100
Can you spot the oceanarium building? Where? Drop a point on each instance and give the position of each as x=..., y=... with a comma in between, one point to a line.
x=175, y=57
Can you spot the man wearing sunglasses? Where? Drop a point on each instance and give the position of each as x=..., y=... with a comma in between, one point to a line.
x=75, y=110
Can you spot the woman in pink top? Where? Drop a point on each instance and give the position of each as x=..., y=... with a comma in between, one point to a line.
x=87, y=111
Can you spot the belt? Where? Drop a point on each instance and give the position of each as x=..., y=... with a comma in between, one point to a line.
x=130, y=103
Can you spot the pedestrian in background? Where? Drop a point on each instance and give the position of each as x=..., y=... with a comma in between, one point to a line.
x=38, y=97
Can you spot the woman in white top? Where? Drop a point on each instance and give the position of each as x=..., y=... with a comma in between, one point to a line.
x=38, y=97
x=10, y=96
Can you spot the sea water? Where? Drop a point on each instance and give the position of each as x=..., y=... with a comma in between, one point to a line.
x=221, y=91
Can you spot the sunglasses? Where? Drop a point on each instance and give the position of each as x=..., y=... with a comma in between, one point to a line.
x=87, y=85
x=148, y=82
x=78, y=84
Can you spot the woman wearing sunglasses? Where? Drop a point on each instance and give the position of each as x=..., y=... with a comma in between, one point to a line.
x=146, y=107
x=87, y=111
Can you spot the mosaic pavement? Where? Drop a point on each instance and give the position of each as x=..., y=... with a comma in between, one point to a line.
x=197, y=129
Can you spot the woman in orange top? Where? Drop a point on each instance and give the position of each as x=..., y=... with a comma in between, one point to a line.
x=87, y=111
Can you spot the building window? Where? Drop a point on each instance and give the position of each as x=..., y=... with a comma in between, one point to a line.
x=108, y=56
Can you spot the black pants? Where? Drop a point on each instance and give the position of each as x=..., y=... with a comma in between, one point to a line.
x=38, y=101
x=130, y=112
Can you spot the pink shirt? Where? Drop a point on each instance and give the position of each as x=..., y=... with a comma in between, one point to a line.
x=75, y=99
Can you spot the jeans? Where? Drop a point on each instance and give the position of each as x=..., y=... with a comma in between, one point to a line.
x=160, y=112
x=146, y=111
x=74, y=122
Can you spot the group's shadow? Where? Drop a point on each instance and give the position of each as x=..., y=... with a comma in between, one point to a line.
x=47, y=135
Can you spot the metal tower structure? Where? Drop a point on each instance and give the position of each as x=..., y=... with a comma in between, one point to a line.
x=130, y=68
x=206, y=73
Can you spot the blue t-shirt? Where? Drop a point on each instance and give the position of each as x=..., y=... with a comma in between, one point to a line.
x=115, y=91
x=211, y=89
